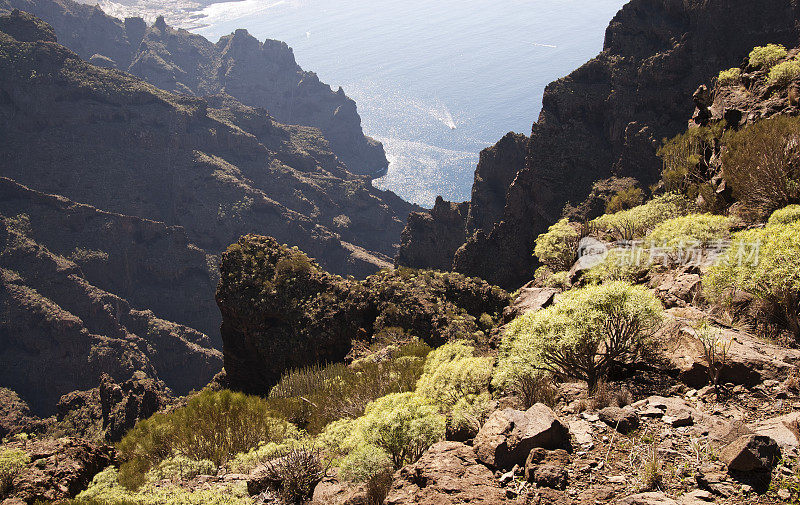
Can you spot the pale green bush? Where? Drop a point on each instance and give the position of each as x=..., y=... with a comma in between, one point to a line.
x=452, y=372
x=469, y=413
x=245, y=462
x=12, y=462
x=638, y=221
x=404, y=425
x=786, y=215
x=581, y=335
x=784, y=73
x=365, y=462
x=182, y=468
x=687, y=238
x=558, y=247
x=766, y=56
x=105, y=488
x=729, y=77
x=558, y=280
x=619, y=264
x=765, y=263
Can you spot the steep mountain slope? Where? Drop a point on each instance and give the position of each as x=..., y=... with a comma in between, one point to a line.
x=608, y=117
x=257, y=74
x=62, y=327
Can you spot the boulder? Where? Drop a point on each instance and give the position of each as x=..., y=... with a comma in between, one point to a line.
x=530, y=299
x=333, y=491
x=751, y=453
x=509, y=435
x=678, y=290
x=59, y=469
x=785, y=430
x=125, y=403
x=447, y=474
x=624, y=420
x=547, y=468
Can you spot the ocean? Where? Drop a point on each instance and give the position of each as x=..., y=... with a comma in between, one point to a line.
x=435, y=81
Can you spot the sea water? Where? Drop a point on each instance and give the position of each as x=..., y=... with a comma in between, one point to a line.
x=435, y=80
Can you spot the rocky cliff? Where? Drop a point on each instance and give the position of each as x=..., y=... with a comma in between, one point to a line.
x=258, y=74
x=608, y=117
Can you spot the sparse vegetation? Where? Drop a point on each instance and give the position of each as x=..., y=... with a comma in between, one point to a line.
x=581, y=335
x=784, y=73
x=624, y=199
x=715, y=351
x=296, y=472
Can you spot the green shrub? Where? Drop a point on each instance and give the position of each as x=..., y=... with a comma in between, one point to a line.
x=766, y=56
x=765, y=263
x=786, y=215
x=106, y=490
x=558, y=280
x=12, y=462
x=625, y=199
x=784, y=73
x=364, y=463
x=182, y=468
x=636, y=222
x=245, y=462
x=729, y=77
x=558, y=247
x=402, y=424
x=685, y=160
x=452, y=372
x=581, y=336
x=214, y=425
x=468, y=414
x=760, y=166
x=629, y=265
x=686, y=238
x=534, y=387
x=314, y=396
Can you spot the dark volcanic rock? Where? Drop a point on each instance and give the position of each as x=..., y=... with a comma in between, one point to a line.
x=58, y=469
x=281, y=311
x=430, y=239
x=16, y=416
x=124, y=404
x=608, y=117
x=257, y=74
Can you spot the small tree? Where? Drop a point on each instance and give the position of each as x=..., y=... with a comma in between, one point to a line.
x=581, y=336
x=766, y=56
x=558, y=247
x=402, y=424
x=765, y=263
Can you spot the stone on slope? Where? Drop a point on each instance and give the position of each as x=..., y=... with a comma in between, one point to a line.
x=509, y=435
x=751, y=453
x=624, y=420
x=785, y=430
x=447, y=474
x=651, y=498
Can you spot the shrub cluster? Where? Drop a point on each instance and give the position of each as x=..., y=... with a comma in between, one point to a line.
x=766, y=56
x=558, y=247
x=314, y=396
x=12, y=462
x=638, y=221
x=760, y=163
x=765, y=263
x=786, y=215
x=700, y=231
x=105, y=489
x=581, y=336
x=296, y=472
x=729, y=77
x=784, y=73
x=214, y=426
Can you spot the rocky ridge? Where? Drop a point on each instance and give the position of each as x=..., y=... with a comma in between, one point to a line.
x=258, y=74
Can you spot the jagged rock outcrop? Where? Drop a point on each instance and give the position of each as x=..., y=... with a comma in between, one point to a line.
x=282, y=311
x=58, y=469
x=430, y=239
x=608, y=117
x=125, y=403
x=16, y=416
x=257, y=74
